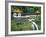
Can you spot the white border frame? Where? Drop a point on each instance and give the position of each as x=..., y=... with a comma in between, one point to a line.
x=23, y=32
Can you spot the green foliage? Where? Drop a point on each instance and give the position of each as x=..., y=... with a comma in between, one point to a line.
x=18, y=26
x=38, y=21
x=24, y=24
x=29, y=9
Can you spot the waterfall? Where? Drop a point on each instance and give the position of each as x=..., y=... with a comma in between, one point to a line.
x=33, y=24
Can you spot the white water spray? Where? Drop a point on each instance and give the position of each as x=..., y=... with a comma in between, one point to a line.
x=33, y=24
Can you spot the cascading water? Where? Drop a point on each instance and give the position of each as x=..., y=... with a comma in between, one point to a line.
x=33, y=24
